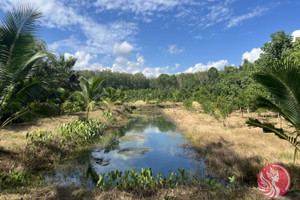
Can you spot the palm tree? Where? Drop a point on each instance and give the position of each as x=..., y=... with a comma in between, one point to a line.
x=19, y=53
x=89, y=94
x=113, y=97
x=283, y=82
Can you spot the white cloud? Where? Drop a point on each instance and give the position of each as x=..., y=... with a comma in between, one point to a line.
x=253, y=55
x=56, y=14
x=155, y=72
x=173, y=50
x=199, y=67
x=217, y=13
x=123, y=49
x=295, y=34
x=70, y=43
x=234, y=21
x=83, y=59
x=144, y=7
x=68, y=55
x=122, y=64
x=100, y=38
x=176, y=67
x=198, y=37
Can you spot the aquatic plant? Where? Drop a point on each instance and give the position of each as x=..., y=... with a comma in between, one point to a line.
x=15, y=178
x=131, y=179
x=233, y=181
x=82, y=131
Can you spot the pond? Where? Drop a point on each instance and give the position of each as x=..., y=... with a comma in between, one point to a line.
x=149, y=141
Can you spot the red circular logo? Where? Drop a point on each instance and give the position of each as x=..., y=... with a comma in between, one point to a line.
x=274, y=180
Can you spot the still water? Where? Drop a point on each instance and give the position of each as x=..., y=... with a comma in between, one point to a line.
x=149, y=141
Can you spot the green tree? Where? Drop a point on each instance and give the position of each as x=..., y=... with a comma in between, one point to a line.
x=89, y=94
x=225, y=108
x=213, y=74
x=293, y=54
x=280, y=42
x=274, y=50
x=283, y=82
x=19, y=53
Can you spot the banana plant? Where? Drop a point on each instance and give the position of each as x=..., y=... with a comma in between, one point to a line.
x=283, y=82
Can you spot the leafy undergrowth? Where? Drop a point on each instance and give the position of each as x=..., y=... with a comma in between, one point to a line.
x=44, y=149
x=133, y=185
x=132, y=180
x=14, y=178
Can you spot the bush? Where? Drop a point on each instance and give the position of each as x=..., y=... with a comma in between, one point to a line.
x=188, y=104
x=70, y=107
x=209, y=107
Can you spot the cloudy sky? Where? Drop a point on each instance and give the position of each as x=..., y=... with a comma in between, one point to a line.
x=161, y=36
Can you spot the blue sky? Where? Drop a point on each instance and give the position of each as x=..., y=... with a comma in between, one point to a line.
x=161, y=36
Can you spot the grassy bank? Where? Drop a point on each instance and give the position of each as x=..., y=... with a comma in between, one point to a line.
x=26, y=149
x=235, y=150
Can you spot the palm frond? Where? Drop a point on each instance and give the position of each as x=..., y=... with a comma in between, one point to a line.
x=29, y=65
x=17, y=35
x=267, y=127
x=285, y=89
x=15, y=116
x=95, y=84
x=78, y=96
x=32, y=90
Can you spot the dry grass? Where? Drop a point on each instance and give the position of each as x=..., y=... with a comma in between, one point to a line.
x=14, y=154
x=12, y=137
x=178, y=193
x=235, y=149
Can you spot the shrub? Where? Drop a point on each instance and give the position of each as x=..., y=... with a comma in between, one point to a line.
x=188, y=104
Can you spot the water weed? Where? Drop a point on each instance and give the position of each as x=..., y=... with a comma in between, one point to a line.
x=131, y=180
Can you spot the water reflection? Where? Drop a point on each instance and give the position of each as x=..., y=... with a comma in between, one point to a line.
x=148, y=141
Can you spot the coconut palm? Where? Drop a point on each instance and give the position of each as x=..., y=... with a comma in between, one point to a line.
x=283, y=82
x=89, y=94
x=19, y=53
x=112, y=97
